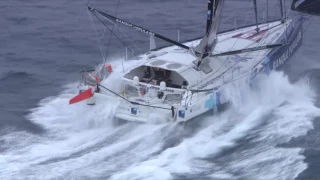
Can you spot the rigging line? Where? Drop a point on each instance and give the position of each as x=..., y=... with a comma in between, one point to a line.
x=281, y=10
x=94, y=27
x=114, y=93
x=244, y=50
x=234, y=79
x=285, y=13
x=111, y=33
x=235, y=63
x=225, y=61
x=309, y=23
x=260, y=43
x=157, y=107
x=104, y=31
x=113, y=19
x=212, y=89
x=256, y=13
x=135, y=103
x=249, y=74
x=132, y=42
x=238, y=61
x=243, y=57
x=204, y=90
x=283, y=44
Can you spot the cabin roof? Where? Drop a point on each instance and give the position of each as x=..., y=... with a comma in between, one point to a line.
x=174, y=60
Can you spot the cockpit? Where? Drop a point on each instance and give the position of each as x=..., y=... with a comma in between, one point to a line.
x=156, y=75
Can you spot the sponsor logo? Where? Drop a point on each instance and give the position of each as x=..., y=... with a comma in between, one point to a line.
x=285, y=56
x=182, y=113
x=209, y=14
x=134, y=27
x=210, y=103
x=134, y=111
x=155, y=88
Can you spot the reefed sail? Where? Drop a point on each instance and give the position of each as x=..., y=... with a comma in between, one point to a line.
x=311, y=7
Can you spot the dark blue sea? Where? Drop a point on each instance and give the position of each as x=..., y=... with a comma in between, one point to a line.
x=271, y=132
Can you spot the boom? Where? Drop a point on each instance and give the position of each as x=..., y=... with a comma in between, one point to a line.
x=138, y=28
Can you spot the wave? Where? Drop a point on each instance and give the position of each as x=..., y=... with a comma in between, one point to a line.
x=19, y=20
x=83, y=142
x=12, y=75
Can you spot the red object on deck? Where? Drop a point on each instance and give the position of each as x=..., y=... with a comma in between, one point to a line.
x=252, y=35
x=82, y=96
x=97, y=79
x=109, y=67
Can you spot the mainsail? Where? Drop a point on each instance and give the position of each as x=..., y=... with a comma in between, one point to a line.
x=209, y=41
x=311, y=7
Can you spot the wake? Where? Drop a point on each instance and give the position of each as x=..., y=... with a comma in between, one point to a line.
x=84, y=142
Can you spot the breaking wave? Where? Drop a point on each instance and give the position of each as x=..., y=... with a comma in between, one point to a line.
x=82, y=142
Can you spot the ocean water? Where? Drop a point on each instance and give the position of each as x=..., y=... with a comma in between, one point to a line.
x=271, y=132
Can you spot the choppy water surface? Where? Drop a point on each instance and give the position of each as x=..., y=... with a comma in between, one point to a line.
x=271, y=132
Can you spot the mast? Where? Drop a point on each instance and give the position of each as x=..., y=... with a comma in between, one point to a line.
x=256, y=14
x=208, y=42
x=115, y=20
x=209, y=16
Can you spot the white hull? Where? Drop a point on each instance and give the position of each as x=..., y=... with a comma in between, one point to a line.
x=141, y=106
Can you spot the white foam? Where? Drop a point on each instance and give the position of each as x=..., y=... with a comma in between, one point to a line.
x=209, y=142
x=269, y=162
x=143, y=172
x=82, y=142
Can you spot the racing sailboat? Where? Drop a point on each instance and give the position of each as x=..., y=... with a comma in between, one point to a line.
x=183, y=81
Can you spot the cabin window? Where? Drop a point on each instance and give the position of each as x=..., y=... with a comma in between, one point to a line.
x=173, y=98
x=154, y=75
x=131, y=91
x=204, y=66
